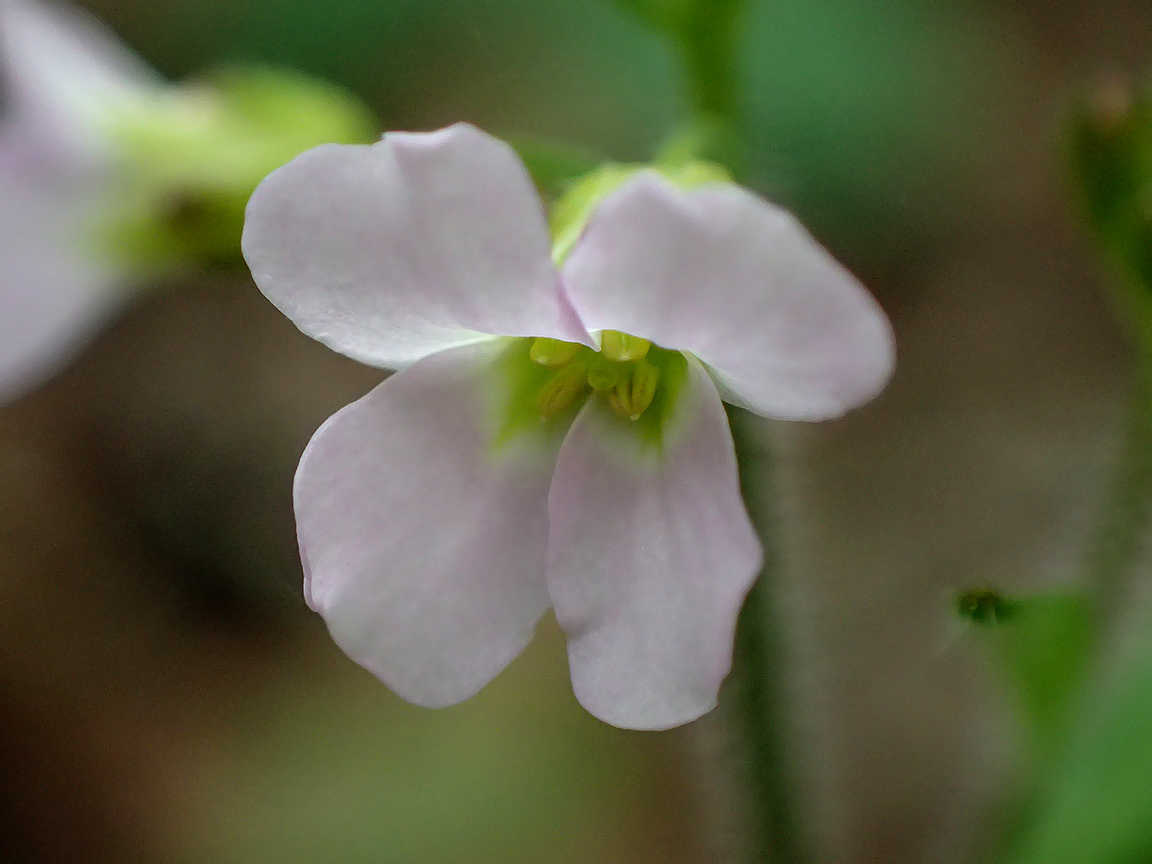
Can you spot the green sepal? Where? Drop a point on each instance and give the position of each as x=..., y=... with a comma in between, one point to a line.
x=191, y=162
x=575, y=207
x=553, y=165
x=579, y=201
x=704, y=141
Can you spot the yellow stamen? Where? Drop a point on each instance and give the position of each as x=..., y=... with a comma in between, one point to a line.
x=552, y=352
x=621, y=347
x=634, y=392
x=645, y=377
x=563, y=389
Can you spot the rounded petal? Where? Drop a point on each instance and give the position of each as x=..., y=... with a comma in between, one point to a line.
x=786, y=330
x=65, y=73
x=423, y=548
x=53, y=297
x=650, y=556
x=419, y=242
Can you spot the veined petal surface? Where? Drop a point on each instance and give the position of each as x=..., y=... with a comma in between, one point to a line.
x=423, y=547
x=66, y=75
x=650, y=556
x=416, y=243
x=716, y=271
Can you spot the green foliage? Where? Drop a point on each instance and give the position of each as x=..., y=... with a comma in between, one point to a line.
x=1041, y=646
x=1097, y=808
x=1110, y=159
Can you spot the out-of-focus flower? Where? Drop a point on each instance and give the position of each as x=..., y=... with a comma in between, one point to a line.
x=556, y=435
x=109, y=175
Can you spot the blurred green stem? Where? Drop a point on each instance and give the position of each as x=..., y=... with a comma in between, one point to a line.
x=1117, y=542
x=707, y=36
x=758, y=670
x=704, y=34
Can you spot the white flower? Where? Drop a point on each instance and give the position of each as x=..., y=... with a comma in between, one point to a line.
x=63, y=75
x=108, y=174
x=443, y=513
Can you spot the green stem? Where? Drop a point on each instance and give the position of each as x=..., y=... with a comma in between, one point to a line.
x=704, y=34
x=1116, y=545
x=757, y=675
x=707, y=36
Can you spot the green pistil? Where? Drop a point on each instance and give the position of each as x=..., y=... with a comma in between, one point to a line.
x=604, y=374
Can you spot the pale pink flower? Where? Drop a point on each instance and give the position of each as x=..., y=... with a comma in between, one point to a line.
x=61, y=76
x=432, y=537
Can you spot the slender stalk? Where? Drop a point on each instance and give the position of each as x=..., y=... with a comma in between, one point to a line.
x=708, y=41
x=706, y=36
x=757, y=675
x=1117, y=542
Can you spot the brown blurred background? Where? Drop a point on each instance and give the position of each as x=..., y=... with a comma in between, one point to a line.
x=165, y=696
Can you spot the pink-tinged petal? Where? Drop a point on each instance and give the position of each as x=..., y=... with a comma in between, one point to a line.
x=650, y=556
x=419, y=242
x=53, y=296
x=65, y=75
x=786, y=330
x=423, y=548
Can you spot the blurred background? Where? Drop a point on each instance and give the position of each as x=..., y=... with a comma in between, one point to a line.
x=165, y=695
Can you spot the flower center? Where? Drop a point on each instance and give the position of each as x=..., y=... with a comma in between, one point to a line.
x=543, y=383
x=626, y=373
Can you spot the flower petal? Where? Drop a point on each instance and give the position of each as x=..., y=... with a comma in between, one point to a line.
x=413, y=244
x=65, y=73
x=52, y=296
x=650, y=556
x=739, y=283
x=423, y=548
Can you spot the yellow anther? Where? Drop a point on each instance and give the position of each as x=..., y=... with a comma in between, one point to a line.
x=635, y=391
x=603, y=374
x=552, y=352
x=563, y=389
x=621, y=347
x=645, y=377
x=618, y=400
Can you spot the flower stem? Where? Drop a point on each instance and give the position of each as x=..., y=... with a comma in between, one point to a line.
x=758, y=670
x=1117, y=542
x=708, y=42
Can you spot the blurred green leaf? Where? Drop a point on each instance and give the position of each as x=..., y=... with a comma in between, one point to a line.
x=1041, y=646
x=1098, y=808
x=1110, y=159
